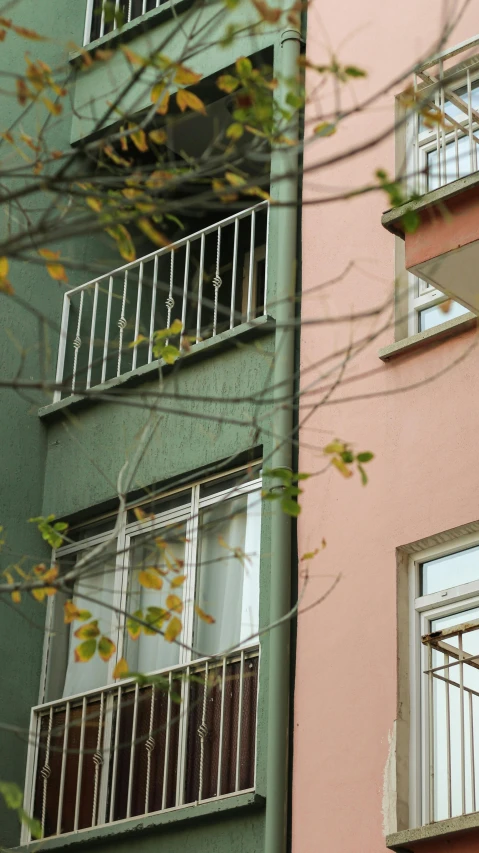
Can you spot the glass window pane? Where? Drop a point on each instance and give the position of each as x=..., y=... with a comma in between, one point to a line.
x=430, y=317
x=97, y=582
x=228, y=574
x=453, y=570
x=457, y=165
x=149, y=653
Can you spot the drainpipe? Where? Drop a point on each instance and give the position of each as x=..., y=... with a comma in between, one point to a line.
x=284, y=189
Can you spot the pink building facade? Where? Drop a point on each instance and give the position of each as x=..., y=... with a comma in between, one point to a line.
x=386, y=717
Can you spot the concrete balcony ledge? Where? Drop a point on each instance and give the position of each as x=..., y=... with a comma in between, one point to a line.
x=128, y=830
x=443, y=249
x=391, y=219
x=228, y=340
x=429, y=338
x=411, y=840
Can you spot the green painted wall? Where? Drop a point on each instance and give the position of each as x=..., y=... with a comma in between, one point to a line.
x=22, y=435
x=70, y=462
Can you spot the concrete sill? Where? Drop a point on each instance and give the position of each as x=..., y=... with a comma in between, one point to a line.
x=410, y=839
x=431, y=336
x=149, y=372
x=136, y=27
x=129, y=830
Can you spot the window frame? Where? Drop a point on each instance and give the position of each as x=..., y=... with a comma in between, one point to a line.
x=423, y=609
x=127, y=531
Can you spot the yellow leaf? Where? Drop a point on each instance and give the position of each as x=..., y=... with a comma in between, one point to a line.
x=52, y=107
x=204, y=616
x=158, y=179
x=174, y=602
x=123, y=241
x=227, y=83
x=103, y=55
x=185, y=76
x=163, y=104
x=23, y=92
x=106, y=648
x=235, y=130
x=138, y=137
x=150, y=578
x=178, y=581
x=28, y=34
x=121, y=669
x=325, y=128
x=445, y=306
x=157, y=136
x=71, y=613
x=16, y=597
x=341, y=466
x=152, y=233
x=94, y=203
x=185, y=99
x=3, y=267
x=55, y=270
x=173, y=629
x=29, y=141
x=88, y=632
x=111, y=153
x=133, y=57
x=268, y=13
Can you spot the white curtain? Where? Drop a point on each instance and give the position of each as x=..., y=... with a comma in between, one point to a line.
x=97, y=582
x=150, y=653
x=227, y=586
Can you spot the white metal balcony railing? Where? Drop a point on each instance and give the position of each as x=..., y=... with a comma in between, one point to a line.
x=127, y=750
x=451, y=722
x=104, y=17
x=217, y=276
x=445, y=135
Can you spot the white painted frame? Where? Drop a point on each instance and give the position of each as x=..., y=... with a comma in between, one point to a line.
x=424, y=609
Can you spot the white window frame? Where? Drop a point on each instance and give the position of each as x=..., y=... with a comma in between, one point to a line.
x=422, y=295
x=128, y=531
x=422, y=611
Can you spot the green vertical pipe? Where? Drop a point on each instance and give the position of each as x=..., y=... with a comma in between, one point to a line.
x=284, y=189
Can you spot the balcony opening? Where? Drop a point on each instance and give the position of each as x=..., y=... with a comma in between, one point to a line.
x=212, y=274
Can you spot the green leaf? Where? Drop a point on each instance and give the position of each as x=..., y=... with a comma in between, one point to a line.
x=347, y=456
x=12, y=795
x=364, y=476
x=31, y=823
x=290, y=507
x=168, y=353
x=85, y=651
x=353, y=71
x=244, y=66
x=411, y=221
x=365, y=457
x=325, y=128
x=133, y=626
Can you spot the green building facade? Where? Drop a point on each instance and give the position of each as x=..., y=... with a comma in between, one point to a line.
x=131, y=449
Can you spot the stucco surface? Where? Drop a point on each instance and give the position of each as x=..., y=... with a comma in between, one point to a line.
x=417, y=414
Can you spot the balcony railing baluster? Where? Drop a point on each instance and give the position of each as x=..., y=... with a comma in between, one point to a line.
x=127, y=750
x=216, y=274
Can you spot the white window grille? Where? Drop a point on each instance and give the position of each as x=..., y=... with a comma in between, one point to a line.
x=442, y=138
x=444, y=766
x=206, y=280
x=101, y=752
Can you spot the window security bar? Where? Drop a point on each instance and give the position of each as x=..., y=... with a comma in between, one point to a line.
x=217, y=277
x=128, y=750
x=445, y=141
x=451, y=719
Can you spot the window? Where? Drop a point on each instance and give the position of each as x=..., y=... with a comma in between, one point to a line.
x=444, y=776
x=104, y=751
x=442, y=140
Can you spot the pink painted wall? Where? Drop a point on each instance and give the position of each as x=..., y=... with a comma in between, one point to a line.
x=425, y=439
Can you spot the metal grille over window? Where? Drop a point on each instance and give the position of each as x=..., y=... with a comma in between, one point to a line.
x=128, y=750
x=209, y=282
x=451, y=749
